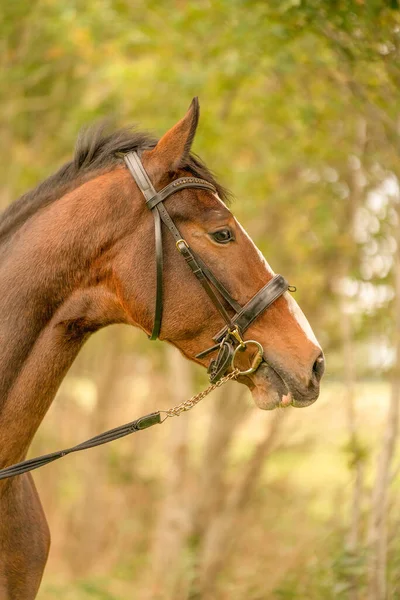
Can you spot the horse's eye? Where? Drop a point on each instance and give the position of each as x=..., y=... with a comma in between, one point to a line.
x=223, y=236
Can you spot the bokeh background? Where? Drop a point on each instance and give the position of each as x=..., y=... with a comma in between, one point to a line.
x=300, y=119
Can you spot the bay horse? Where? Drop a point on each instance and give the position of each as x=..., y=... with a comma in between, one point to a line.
x=77, y=254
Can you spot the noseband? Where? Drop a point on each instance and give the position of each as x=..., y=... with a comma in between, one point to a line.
x=228, y=341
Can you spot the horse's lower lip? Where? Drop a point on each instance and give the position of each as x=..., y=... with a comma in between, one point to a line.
x=285, y=396
x=278, y=394
x=303, y=403
x=268, y=388
x=276, y=379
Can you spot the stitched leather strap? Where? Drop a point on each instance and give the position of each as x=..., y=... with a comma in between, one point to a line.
x=103, y=438
x=248, y=313
x=218, y=285
x=176, y=186
x=154, y=201
x=257, y=305
x=192, y=261
x=139, y=174
x=197, y=270
x=159, y=275
x=136, y=168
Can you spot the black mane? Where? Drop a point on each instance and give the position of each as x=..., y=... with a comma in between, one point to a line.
x=95, y=150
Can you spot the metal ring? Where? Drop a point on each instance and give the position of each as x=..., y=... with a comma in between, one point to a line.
x=257, y=360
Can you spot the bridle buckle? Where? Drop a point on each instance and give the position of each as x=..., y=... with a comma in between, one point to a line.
x=178, y=244
x=236, y=334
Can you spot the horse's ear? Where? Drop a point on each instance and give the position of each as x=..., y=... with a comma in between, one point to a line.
x=172, y=150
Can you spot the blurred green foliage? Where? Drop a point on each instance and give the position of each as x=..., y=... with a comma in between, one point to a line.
x=299, y=118
x=284, y=87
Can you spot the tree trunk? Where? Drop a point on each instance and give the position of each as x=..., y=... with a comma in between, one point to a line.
x=84, y=551
x=222, y=532
x=356, y=188
x=356, y=461
x=228, y=410
x=377, y=531
x=169, y=572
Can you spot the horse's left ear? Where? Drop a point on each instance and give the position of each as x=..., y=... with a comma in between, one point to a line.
x=173, y=148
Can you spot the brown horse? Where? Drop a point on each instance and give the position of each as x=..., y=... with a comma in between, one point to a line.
x=77, y=254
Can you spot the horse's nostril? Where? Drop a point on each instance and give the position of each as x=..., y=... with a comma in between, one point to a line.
x=319, y=368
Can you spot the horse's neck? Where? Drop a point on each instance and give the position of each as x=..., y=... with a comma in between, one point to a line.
x=32, y=369
x=43, y=293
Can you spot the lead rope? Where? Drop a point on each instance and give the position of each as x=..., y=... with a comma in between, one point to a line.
x=137, y=425
x=114, y=434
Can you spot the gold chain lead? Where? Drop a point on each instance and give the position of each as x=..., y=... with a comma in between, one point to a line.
x=188, y=404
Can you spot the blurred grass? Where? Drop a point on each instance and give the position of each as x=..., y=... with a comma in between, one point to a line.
x=293, y=524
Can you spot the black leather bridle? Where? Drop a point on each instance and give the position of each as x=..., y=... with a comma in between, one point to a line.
x=229, y=339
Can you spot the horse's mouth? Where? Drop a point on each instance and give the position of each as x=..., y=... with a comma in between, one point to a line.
x=270, y=391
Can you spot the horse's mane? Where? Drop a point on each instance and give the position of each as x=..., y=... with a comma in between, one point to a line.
x=95, y=151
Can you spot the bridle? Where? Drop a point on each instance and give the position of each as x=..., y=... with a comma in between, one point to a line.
x=229, y=340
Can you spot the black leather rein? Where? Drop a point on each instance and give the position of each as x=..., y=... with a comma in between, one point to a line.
x=231, y=335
